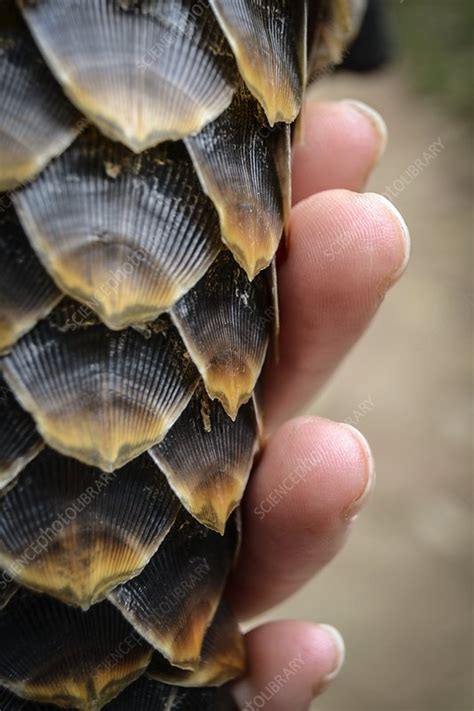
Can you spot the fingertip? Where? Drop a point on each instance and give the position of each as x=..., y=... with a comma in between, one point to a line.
x=367, y=457
x=312, y=479
x=345, y=251
x=343, y=241
x=289, y=664
x=404, y=234
x=315, y=466
x=340, y=144
x=377, y=123
x=337, y=648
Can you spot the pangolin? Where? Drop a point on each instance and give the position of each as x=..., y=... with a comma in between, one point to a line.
x=145, y=177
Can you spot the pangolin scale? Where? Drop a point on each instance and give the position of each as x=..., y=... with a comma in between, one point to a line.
x=144, y=170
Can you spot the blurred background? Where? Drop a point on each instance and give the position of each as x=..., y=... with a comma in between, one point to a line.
x=401, y=592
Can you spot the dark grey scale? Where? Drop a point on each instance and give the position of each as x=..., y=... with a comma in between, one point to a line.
x=127, y=234
x=54, y=653
x=222, y=656
x=207, y=458
x=172, y=602
x=237, y=158
x=269, y=41
x=101, y=396
x=225, y=322
x=143, y=695
x=92, y=531
x=27, y=293
x=148, y=695
x=20, y=441
x=37, y=122
x=143, y=71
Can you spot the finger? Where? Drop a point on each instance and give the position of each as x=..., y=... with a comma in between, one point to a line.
x=340, y=144
x=346, y=250
x=314, y=476
x=289, y=663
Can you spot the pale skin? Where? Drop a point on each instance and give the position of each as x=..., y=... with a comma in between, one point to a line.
x=346, y=250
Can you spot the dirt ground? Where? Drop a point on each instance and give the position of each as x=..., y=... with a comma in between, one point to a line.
x=401, y=591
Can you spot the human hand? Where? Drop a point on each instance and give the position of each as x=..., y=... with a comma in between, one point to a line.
x=345, y=251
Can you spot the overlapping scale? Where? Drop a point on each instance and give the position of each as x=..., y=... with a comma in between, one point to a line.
x=131, y=236
x=173, y=601
x=126, y=234
x=101, y=396
x=27, y=293
x=225, y=322
x=222, y=656
x=148, y=695
x=145, y=71
x=93, y=530
x=237, y=160
x=258, y=398
x=275, y=305
x=283, y=163
x=143, y=695
x=20, y=441
x=36, y=120
x=207, y=458
x=268, y=40
x=54, y=653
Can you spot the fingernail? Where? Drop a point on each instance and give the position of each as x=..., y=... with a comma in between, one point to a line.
x=378, y=124
x=405, y=237
x=339, y=651
x=358, y=503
